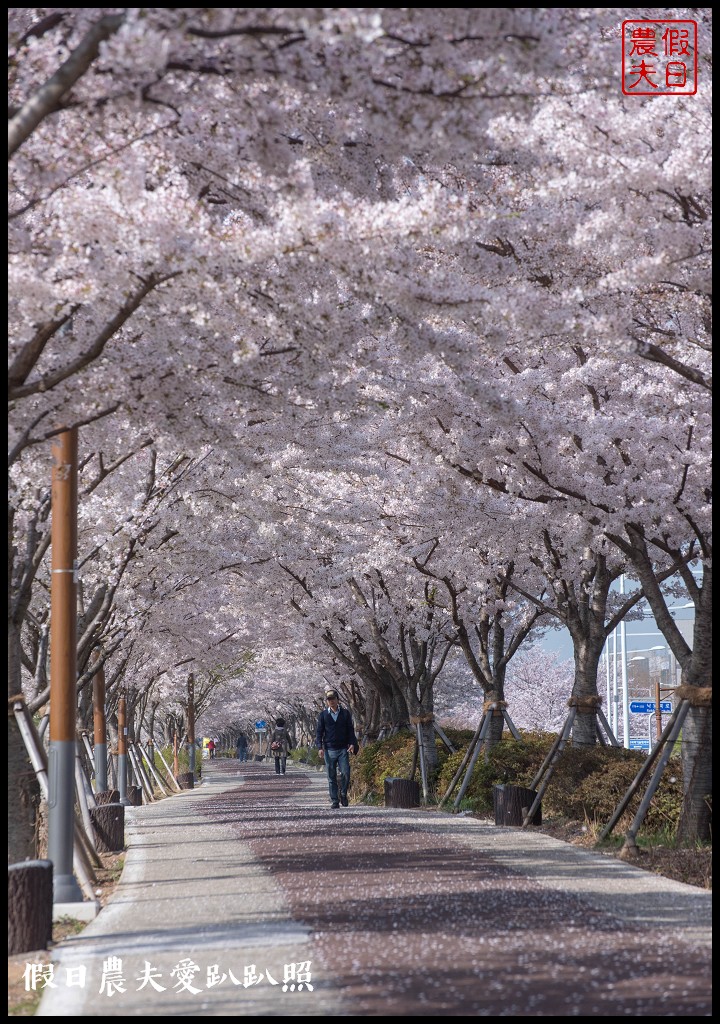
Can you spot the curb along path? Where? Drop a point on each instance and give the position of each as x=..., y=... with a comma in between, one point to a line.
x=254, y=881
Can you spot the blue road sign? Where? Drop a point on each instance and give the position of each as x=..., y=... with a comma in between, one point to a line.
x=646, y=707
x=260, y=725
x=638, y=743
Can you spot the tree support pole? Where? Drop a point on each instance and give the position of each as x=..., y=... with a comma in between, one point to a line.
x=443, y=737
x=36, y=753
x=630, y=846
x=476, y=754
x=89, y=751
x=170, y=775
x=513, y=731
x=466, y=758
x=647, y=765
x=423, y=766
x=153, y=769
x=608, y=728
x=142, y=774
x=83, y=800
x=550, y=761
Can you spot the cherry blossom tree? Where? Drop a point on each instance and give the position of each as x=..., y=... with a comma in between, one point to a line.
x=537, y=671
x=438, y=239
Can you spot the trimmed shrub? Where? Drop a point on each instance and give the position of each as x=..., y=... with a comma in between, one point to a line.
x=587, y=783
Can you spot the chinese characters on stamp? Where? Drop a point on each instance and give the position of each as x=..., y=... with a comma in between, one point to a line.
x=659, y=58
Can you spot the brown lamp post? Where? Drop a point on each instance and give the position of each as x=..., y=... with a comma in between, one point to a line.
x=99, y=729
x=63, y=667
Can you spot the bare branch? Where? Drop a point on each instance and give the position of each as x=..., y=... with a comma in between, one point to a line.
x=46, y=99
x=655, y=354
x=96, y=349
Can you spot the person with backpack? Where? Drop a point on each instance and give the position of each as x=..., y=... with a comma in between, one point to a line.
x=280, y=745
x=334, y=738
x=211, y=749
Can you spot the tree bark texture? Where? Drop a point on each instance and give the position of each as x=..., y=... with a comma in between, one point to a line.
x=402, y=793
x=186, y=780
x=510, y=803
x=108, y=822
x=23, y=799
x=135, y=795
x=107, y=796
x=30, y=906
x=696, y=817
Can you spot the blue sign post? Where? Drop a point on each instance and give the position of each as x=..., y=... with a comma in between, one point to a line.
x=647, y=707
x=260, y=726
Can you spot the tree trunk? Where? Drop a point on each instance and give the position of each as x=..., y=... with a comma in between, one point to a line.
x=23, y=788
x=427, y=735
x=23, y=792
x=495, y=730
x=695, y=818
x=586, y=652
x=421, y=711
x=107, y=796
x=696, y=663
x=30, y=906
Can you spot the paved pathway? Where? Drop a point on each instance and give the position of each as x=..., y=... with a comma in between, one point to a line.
x=236, y=894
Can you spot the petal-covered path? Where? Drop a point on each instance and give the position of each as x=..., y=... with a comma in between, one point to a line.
x=237, y=894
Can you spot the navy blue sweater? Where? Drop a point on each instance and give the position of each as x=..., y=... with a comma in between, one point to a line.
x=331, y=735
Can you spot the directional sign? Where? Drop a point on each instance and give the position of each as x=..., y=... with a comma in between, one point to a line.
x=638, y=743
x=260, y=725
x=646, y=707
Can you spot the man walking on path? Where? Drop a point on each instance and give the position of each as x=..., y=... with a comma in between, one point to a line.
x=335, y=736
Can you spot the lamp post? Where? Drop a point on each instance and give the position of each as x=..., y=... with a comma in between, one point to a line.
x=63, y=667
x=623, y=669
